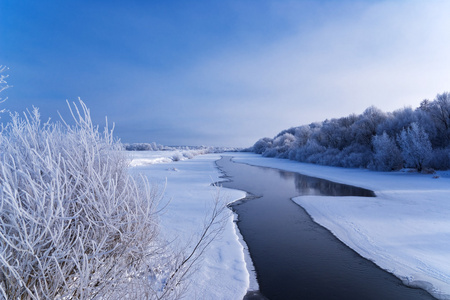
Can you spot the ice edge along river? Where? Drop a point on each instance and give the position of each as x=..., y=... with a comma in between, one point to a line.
x=405, y=229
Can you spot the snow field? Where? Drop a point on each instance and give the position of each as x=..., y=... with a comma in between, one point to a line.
x=222, y=273
x=142, y=158
x=405, y=229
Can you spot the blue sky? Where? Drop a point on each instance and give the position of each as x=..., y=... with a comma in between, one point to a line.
x=222, y=73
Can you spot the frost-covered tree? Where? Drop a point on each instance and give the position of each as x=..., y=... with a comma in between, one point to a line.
x=3, y=84
x=354, y=156
x=440, y=159
x=302, y=135
x=415, y=146
x=396, y=121
x=366, y=126
x=349, y=141
x=311, y=152
x=425, y=121
x=332, y=134
x=261, y=145
x=439, y=110
x=387, y=156
x=283, y=144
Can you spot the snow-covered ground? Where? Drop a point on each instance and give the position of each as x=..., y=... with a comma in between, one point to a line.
x=141, y=158
x=145, y=158
x=405, y=229
x=223, y=272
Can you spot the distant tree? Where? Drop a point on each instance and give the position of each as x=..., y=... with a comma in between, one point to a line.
x=415, y=146
x=425, y=105
x=270, y=152
x=396, y=121
x=332, y=134
x=261, y=145
x=440, y=159
x=372, y=139
x=439, y=110
x=366, y=126
x=346, y=125
x=329, y=157
x=426, y=123
x=387, y=156
x=290, y=130
x=283, y=144
x=311, y=152
x=355, y=156
x=302, y=135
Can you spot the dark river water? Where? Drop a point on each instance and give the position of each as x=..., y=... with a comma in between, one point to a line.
x=294, y=257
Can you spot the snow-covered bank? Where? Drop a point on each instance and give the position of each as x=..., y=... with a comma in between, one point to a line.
x=141, y=158
x=405, y=229
x=222, y=273
x=168, y=154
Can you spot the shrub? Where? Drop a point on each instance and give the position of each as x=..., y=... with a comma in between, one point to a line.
x=440, y=159
x=261, y=145
x=177, y=156
x=73, y=222
x=387, y=156
x=415, y=146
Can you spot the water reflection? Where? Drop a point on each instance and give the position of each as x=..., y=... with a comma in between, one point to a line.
x=306, y=185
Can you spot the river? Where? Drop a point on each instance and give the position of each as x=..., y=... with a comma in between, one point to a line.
x=294, y=257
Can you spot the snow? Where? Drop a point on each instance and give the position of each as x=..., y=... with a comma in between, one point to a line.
x=405, y=229
x=142, y=158
x=225, y=268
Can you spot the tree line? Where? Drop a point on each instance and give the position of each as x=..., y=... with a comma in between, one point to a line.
x=406, y=138
x=157, y=147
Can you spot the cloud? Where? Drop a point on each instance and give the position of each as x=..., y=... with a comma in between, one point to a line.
x=178, y=74
x=387, y=54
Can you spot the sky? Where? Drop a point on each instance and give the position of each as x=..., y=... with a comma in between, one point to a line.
x=221, y=72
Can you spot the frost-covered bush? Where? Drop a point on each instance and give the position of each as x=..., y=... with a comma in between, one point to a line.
x=261, y=145
x=270, y=152
x=191, y=154
x=329, y=157
x=188, y=154
x=177, y=156
x=302, y=134
x=387, y=156
x=439, y=112
x=440, y=159
x=283, y=144
x=73, y=222
x=314, y=158
x=3, y=84
x=355, y=156
x=312, y=148
x=415, y=146
x=366, y=126
x=396, y=121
